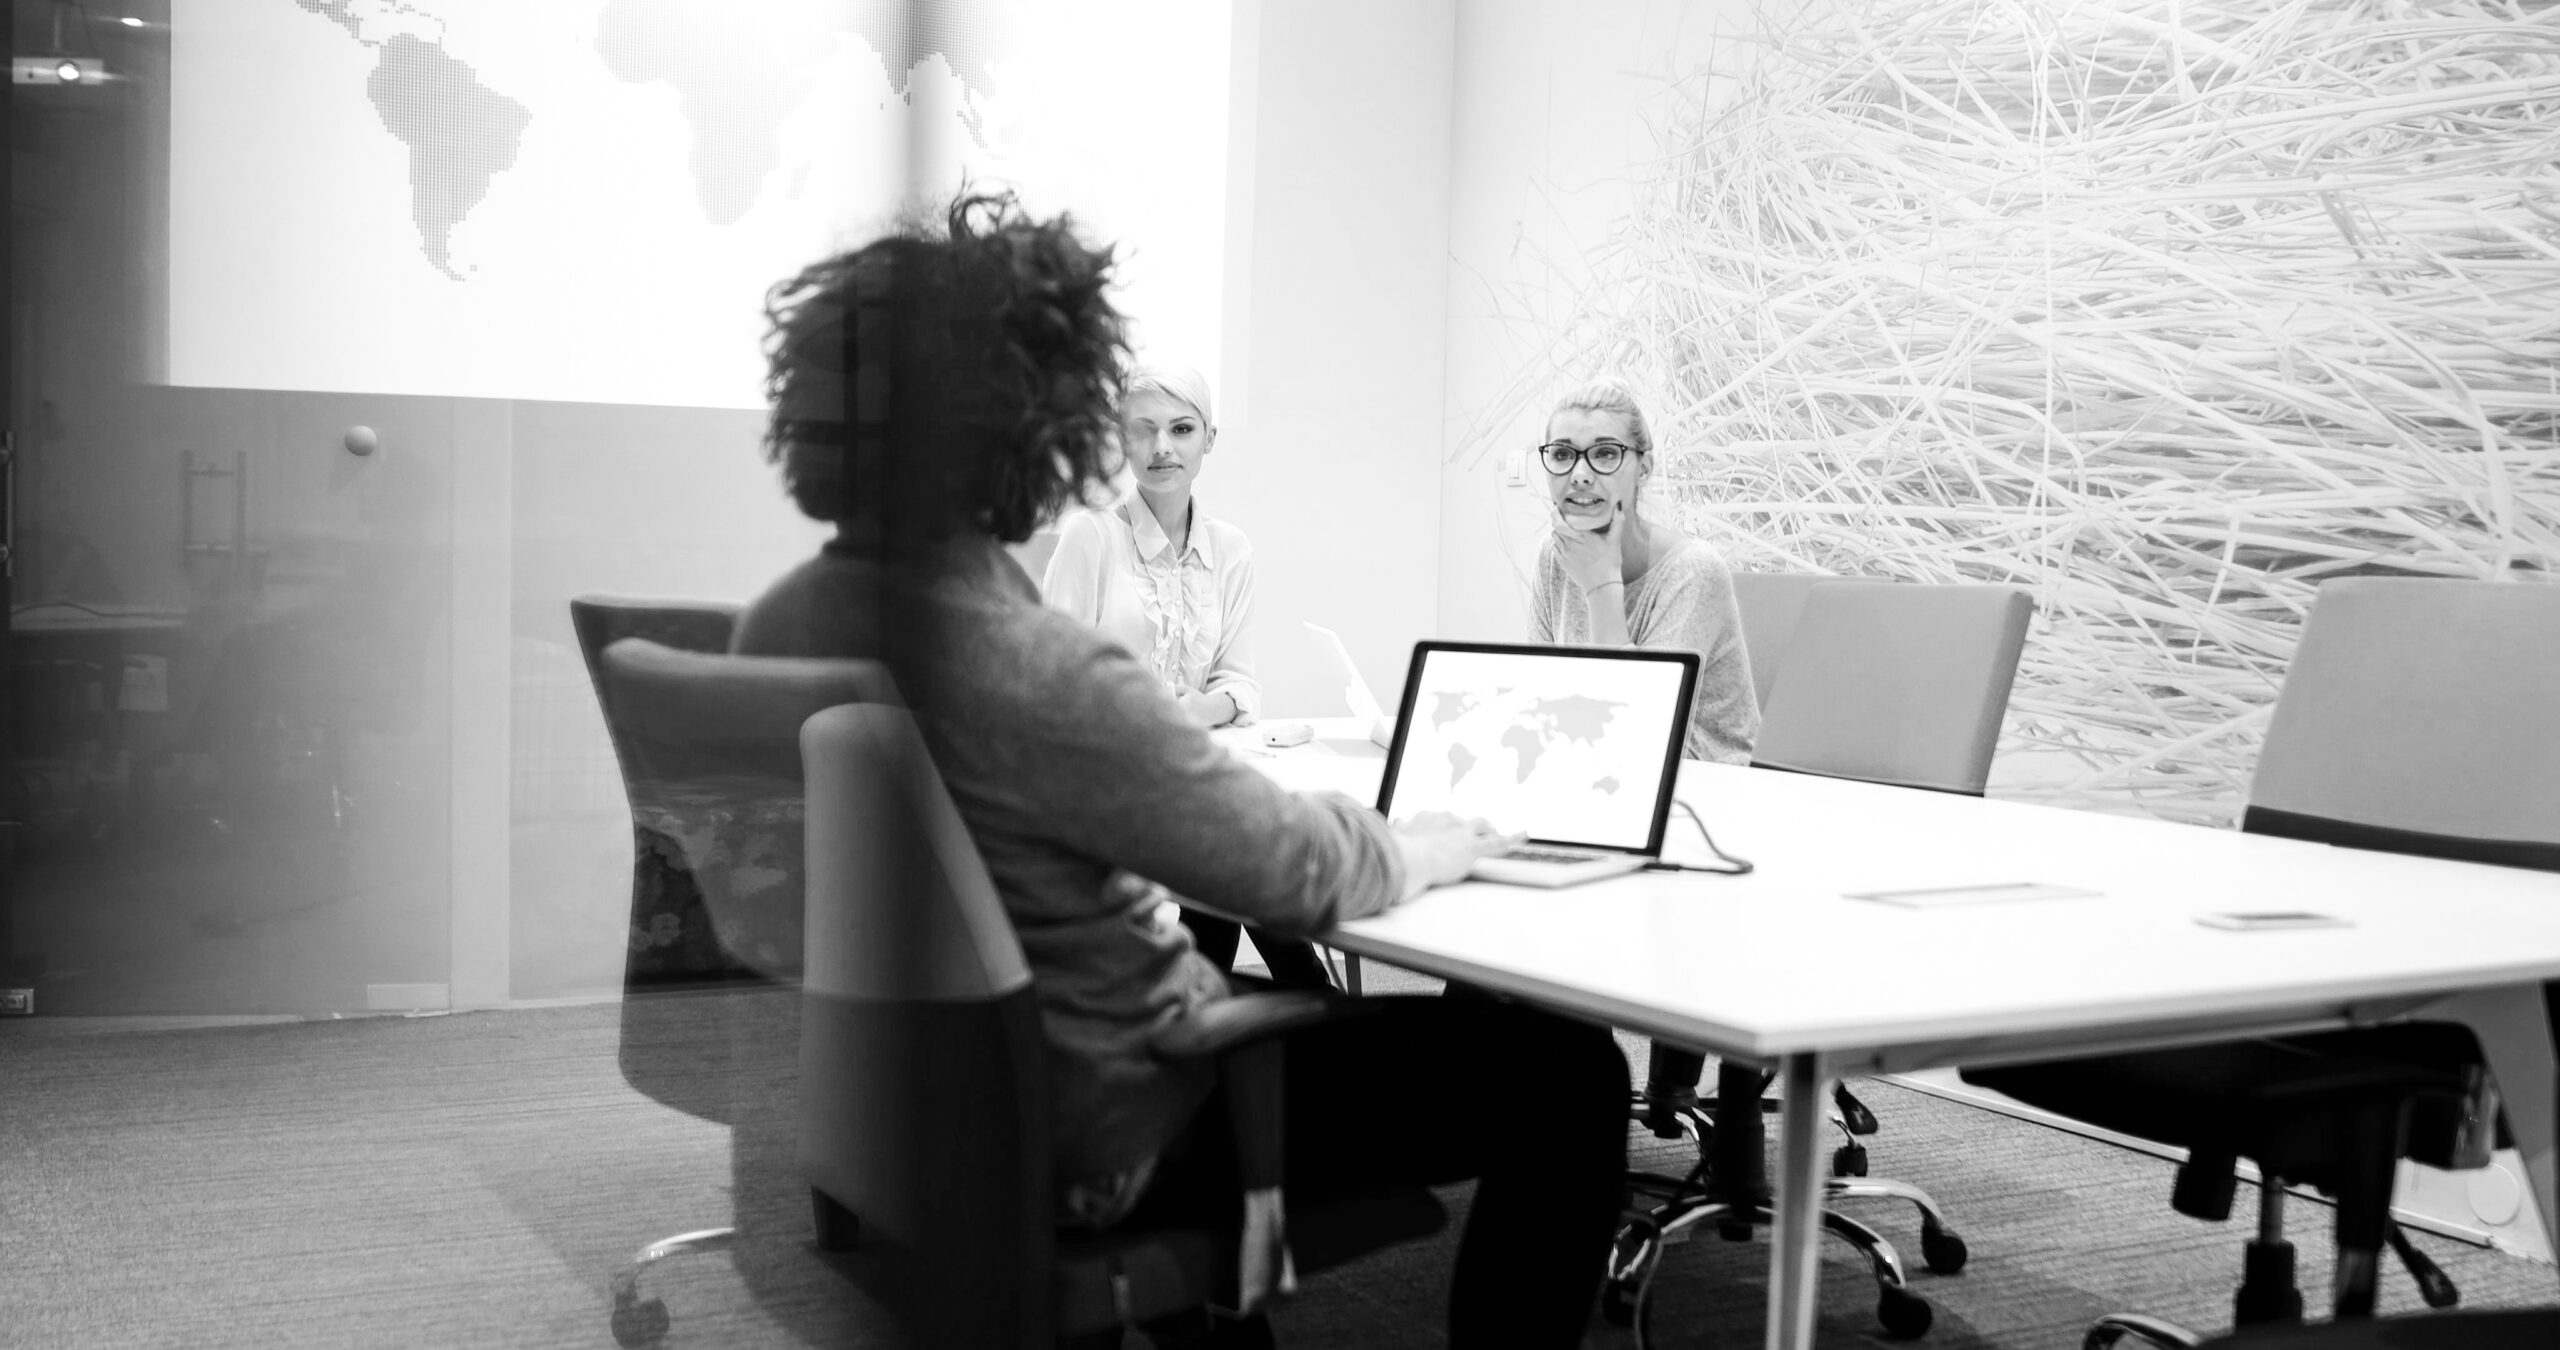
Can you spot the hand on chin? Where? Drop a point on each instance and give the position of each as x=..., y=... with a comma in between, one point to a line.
x=1596, y=523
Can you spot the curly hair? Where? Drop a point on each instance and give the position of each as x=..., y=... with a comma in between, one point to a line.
x=982, y=355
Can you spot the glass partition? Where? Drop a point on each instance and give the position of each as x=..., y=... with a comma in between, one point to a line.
x=350, y=339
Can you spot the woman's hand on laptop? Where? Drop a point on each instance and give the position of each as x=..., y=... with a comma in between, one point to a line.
x=1439, y=848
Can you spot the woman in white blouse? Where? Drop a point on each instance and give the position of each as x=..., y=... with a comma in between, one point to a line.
x=1167, y=580
x=1174, y=585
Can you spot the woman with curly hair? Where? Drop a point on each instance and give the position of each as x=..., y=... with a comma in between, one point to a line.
x=985, y=352
x=1174, y=585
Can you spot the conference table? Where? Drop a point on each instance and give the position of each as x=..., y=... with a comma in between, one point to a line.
x=1784, y=967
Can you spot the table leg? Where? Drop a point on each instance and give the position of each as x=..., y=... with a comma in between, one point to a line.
x=2514, y=1027
x=1796, y=1202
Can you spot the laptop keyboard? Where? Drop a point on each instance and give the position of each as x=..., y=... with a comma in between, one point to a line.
x=1532, y=853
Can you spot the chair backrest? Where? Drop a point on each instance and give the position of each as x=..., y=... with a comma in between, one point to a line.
x=1771, y=603
x=2423, y=716
x=1033, y=554
x=1896, y=683
x=691, y=625
x=924, y=1107
x=710, y=747
x=602, y=620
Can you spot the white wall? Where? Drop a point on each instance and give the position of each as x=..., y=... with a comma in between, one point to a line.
x=1551, y=100
x=1338, y=211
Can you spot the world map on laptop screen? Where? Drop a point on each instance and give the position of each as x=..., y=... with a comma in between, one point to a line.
x=1564, y=748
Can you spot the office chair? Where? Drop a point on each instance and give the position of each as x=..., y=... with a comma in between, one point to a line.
x=708, y=745
x=1885, y=682
x=1771, y=604
x=1890, y=682
x=2417, y=717
x=2513, y=1329
x=1032, y=555
x=925, y=1119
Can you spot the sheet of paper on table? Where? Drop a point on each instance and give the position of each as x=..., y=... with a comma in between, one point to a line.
x=1984, y=893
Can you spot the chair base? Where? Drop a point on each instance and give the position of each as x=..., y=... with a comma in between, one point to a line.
x=1196, y=1329
x=1736, y=1200
x=1683, y=1205
x=641, y=1321
x=2268, y=1297
x=1693, y=1117
x=2112, y=1329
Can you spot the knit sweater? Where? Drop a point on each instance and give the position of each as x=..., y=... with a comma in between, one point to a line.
x=1077, y=778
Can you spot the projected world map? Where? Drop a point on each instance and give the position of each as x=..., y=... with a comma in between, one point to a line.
x=460, y=133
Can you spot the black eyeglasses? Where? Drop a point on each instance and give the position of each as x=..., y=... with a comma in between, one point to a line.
x=1605, y=456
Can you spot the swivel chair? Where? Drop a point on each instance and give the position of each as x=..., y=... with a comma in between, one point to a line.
x=1771, y=604
x=2512, y=1329
x=925, y=1118
x=1893, y=682
x=708, y=747
x=1884, y=682
x=2418, y=718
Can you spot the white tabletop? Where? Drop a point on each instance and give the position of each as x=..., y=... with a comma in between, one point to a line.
x=1782, y=961
x=1784, y=964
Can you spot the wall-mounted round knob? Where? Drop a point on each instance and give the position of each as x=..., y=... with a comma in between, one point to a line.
x=362, y=442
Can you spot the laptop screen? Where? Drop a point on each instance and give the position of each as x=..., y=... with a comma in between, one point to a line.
x=1570, y=745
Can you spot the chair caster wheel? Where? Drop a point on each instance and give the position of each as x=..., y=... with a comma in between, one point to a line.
x=1849, y=1160
x=1623, y=1304
x=639, y=1323
x=1941, y=1250
x=1631, y=1258
x=1618, y=1304
x=1906, y=1315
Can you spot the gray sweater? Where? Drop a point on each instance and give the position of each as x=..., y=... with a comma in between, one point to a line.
x=1684, y=600
x=1073, y=772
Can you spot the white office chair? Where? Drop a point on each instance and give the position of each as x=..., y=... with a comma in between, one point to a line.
x=1885, y=682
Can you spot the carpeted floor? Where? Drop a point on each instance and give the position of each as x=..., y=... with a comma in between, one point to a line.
x=477, y=1180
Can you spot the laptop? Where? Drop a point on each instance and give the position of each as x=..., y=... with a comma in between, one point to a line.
x=1576, y=747
x=1355, y=690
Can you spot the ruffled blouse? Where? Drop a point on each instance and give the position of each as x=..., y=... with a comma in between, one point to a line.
x=1186, y=615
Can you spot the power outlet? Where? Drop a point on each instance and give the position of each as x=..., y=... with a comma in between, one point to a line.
x=17, y=1003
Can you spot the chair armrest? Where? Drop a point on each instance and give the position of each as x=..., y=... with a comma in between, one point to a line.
x=1243, y=1035
x=1228, y=1023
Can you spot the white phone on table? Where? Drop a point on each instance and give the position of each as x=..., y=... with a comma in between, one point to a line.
x=2269, y=920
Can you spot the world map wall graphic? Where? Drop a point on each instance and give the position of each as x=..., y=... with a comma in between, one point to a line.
x=587, y=200
x=460, y=133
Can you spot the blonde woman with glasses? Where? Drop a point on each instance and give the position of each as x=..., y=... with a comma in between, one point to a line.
x=1610, y=577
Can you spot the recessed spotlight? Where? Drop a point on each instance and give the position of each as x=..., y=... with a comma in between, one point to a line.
x=68, y=72
x=130, y=22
